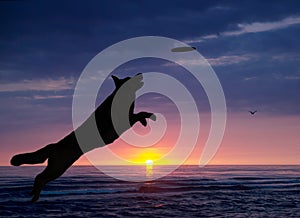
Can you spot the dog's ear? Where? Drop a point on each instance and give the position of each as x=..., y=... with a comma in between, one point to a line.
x=116, y=80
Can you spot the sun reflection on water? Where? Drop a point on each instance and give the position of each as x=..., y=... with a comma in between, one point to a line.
x=149, y=168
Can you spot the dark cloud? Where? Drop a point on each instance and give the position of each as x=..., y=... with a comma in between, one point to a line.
x=50, y=40
x=60, y=37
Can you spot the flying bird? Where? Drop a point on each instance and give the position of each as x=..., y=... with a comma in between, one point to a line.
x=252, y=112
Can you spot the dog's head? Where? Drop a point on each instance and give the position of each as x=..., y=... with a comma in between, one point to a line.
x=132, y=83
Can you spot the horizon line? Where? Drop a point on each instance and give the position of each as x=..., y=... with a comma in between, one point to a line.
x=89, y=165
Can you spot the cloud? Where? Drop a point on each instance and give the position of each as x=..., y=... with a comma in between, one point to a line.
x=284, y=57
x=250, y=78
x=217, y=61
x=228, y=60
x=42, y=97
x=59, y=84
x=292, y=77
x=255, y=27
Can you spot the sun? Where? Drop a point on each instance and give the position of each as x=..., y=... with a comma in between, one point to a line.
x=149, y=162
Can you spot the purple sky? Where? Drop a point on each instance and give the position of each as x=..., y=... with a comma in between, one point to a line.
x=253, y=46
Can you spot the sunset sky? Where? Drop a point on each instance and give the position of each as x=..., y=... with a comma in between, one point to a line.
x=253, y=47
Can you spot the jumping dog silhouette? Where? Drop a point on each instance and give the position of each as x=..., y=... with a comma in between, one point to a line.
x=64, y=153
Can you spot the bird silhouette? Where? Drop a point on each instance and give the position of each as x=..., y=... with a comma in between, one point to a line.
x=252, y=112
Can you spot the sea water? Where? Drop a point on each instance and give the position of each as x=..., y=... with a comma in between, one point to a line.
x=190, y=191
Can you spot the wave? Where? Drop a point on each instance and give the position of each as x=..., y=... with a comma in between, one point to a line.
x=252, y=178
x=167, y=186
x=82, y=192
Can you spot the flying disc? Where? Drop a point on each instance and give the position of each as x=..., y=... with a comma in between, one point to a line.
x=183, y=49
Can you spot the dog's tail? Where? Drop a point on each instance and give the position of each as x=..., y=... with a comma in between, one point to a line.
x=36, y=157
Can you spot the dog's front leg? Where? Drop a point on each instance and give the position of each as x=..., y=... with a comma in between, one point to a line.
x=141, y=117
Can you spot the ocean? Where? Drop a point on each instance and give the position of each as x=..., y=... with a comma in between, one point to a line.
x=190, y=191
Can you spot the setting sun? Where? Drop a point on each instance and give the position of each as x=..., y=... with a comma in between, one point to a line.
x=149, y=162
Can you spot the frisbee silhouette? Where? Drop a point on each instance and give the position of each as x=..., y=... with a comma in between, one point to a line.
x=183, y=49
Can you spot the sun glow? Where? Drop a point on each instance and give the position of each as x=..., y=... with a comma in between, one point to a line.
x=149, y=162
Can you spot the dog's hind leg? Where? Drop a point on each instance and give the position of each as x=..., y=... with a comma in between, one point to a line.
x=57, y=165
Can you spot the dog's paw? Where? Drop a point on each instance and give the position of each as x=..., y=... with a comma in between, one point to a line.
x=142, y=116
x=143, y=122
